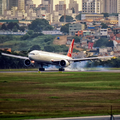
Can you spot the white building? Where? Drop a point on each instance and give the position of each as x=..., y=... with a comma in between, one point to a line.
x=119, y=20
x=91, y=6
x=2, y=7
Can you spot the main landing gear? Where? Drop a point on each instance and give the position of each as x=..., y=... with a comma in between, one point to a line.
x=61, y=69
x=41, y=68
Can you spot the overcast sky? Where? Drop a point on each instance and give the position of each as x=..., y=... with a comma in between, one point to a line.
x=37, y=2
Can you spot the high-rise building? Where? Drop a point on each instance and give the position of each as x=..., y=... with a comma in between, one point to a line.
x=7, y=4
x=48, y=4
x=118, y=6
x=91, y=6
x=13, y=3
x=60, y=7
x=2, y=6
x=21, y=5
x=110, y=6
x=73, y=6
x=28, y=2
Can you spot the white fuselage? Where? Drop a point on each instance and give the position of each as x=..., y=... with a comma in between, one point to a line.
x=46, y=57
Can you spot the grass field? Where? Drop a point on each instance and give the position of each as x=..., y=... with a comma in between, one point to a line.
x=68, y=94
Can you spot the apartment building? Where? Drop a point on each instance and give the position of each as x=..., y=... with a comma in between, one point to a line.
x=111, y=6
x=91, y=6
x=74, y=27
x=48, y=4
x=3, y=6
x=73, y=6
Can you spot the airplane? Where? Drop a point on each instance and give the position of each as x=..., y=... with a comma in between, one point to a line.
x=47, y=58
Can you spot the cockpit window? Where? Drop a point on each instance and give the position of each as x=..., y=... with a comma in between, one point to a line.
x=31, y=53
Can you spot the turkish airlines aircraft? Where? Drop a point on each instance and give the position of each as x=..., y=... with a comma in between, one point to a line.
x=45, y=58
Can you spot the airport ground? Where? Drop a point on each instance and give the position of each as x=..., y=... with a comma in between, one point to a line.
x=29, y=95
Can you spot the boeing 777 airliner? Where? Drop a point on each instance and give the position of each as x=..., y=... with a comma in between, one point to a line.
x=45, y=58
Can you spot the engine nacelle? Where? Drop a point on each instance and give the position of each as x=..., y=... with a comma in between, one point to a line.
x=64, y=63
x=27, y=62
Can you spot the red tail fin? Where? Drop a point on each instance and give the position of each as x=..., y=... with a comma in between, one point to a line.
x=70, y=49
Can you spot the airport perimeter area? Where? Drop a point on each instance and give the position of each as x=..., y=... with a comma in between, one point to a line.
x=33, y=95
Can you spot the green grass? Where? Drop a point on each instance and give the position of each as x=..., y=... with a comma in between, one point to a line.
x=68, y=94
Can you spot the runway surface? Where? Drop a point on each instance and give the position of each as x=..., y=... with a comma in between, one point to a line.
x=116, y=117
x=28, y=71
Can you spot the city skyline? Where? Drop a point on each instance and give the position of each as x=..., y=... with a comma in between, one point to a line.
x=37, y=2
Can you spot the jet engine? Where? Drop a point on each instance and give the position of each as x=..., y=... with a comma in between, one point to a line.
x=27, y=62
x=64, y=63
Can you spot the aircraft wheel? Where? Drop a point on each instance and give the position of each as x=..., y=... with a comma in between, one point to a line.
x=61, y=69
x=41, y=69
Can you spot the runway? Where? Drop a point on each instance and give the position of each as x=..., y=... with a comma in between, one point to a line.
x=30, y=71
x=116, y=117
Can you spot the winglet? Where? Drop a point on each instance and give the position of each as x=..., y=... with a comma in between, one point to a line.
x=70, y=49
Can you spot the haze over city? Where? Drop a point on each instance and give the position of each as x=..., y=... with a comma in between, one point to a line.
x=37, y=2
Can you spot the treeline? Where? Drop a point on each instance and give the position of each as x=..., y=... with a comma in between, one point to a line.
x=103, y=42
x=37, y=25
x=12, y=26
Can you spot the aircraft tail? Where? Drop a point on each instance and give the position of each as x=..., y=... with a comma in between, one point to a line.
x=70, y=49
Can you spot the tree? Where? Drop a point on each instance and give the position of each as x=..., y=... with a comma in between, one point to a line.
x=25, y=37
x=11, y=25
x=104, y=25
x=35, y=47
x=65, y=28
x=15, y=29
x=77, y=39
x=39, y=24
x=30, y=32
x=22, y=28
x=4, y=27
x=103, y=42
x=49, y=48
x=68, y=19
x=48, y=27
x=106, y=14
x=78, y=17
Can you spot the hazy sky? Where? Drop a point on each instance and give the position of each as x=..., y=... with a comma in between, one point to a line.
x=37, y=2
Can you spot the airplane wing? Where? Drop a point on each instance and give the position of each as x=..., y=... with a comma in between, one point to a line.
x=15, y=56
x=91, y=58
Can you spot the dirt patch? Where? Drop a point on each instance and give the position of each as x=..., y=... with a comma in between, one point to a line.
x=61, y=41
